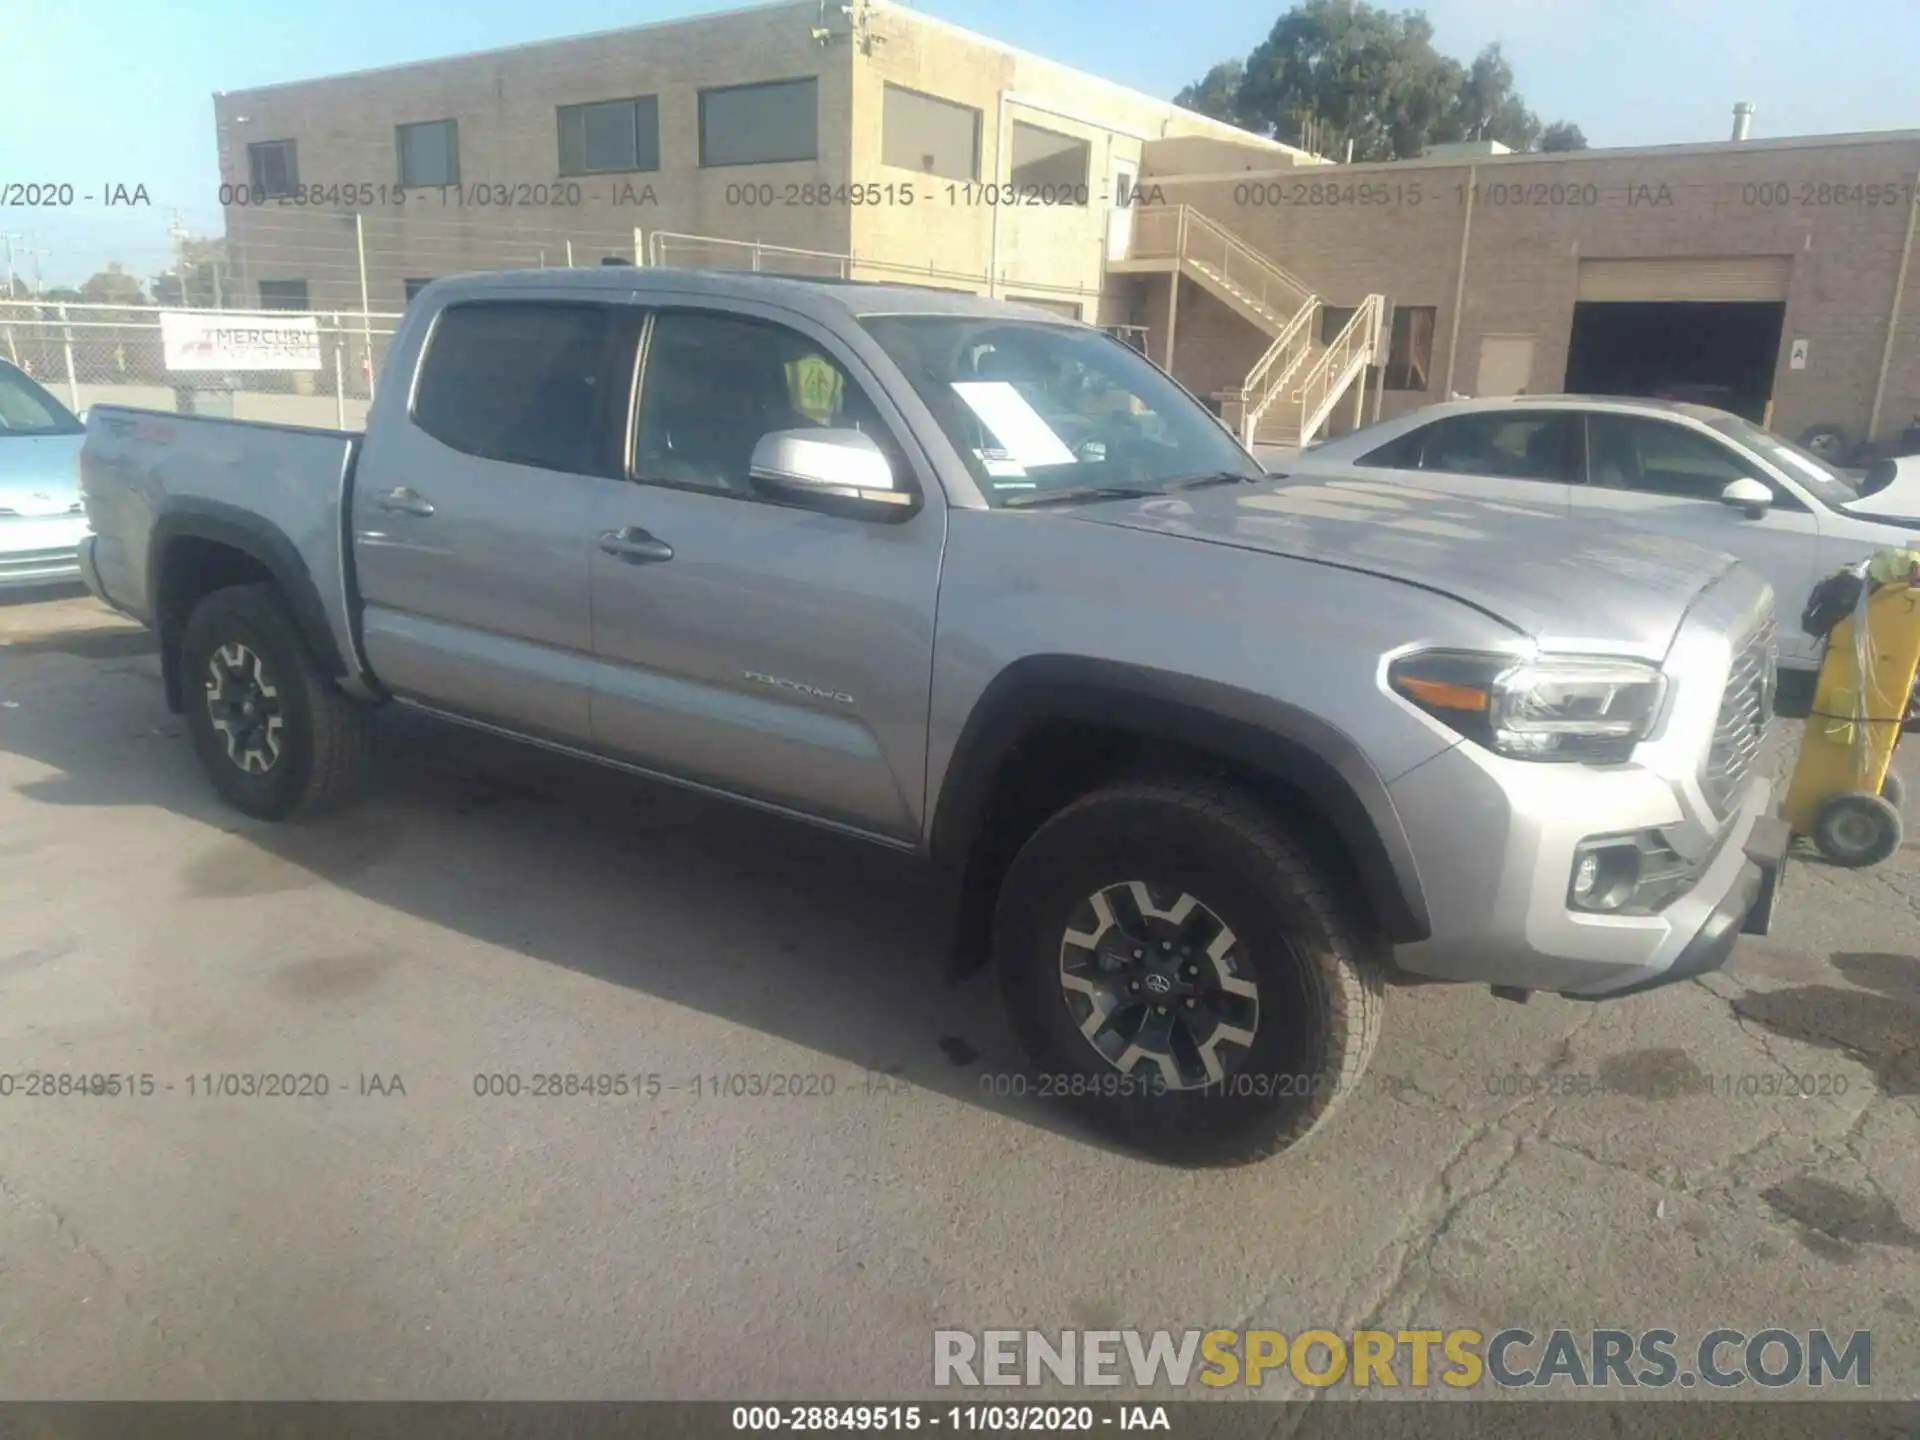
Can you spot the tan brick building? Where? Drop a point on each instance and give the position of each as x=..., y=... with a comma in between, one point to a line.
x=870, y=140
x=750, y=125
x=1511, y=272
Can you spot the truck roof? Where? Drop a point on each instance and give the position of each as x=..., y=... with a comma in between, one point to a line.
x=821, y=298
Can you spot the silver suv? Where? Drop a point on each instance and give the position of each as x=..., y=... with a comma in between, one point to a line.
x=1209, y=761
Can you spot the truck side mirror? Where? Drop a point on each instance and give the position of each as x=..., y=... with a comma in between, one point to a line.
x=1749, y=495
x=838, y=472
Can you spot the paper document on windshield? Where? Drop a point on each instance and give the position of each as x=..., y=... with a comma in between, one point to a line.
x=1027, y=439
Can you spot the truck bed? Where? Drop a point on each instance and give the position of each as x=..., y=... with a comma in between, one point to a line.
x=276, y=491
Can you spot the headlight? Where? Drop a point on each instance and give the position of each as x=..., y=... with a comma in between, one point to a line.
x=1541, y=707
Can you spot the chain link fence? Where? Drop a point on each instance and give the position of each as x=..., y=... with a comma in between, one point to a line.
x=113, y=354
x=352, y=275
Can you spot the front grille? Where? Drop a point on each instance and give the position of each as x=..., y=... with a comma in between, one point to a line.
x=1746, y=714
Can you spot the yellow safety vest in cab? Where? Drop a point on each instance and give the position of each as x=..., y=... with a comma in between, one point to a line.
x=814, y=385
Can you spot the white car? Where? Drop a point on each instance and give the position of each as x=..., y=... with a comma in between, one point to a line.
x=1685, y=471
x=42, y=520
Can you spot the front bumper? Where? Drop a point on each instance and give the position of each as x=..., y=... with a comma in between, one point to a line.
x=1746, y=909
x=40, y=552
x=1496, y=852
x=22, y=568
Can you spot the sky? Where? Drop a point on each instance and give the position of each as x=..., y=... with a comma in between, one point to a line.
x=106, y=92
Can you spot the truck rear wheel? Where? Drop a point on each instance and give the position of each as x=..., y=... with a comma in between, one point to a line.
x=1179, y=970
x=273, y=734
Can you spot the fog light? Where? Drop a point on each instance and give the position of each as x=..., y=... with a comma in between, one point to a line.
x=1586, y=874
x=1605, y=875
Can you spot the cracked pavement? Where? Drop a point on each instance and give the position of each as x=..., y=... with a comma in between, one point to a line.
x=489, y=910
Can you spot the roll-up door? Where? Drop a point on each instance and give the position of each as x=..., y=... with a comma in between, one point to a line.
x=1735, y=277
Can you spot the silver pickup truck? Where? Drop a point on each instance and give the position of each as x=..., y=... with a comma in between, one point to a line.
x=1209, y=758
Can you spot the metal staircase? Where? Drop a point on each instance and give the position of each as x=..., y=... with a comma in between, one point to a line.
x=1291, y=391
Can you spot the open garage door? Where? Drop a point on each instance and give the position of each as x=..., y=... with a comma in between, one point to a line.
x=1750, y=278
x=1686, y=328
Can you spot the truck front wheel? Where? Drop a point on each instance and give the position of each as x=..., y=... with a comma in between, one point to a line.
x=273, y=734
x=1180, y=969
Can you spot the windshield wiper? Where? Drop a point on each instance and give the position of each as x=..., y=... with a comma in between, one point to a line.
x=1213, y=477
x=1073, y=494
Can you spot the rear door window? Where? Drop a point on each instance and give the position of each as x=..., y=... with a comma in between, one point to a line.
x=1400, y=453
x=534, y=383
x=1506, y=445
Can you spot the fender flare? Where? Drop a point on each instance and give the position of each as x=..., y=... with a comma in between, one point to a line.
x=261, y=541
x=1268, y=737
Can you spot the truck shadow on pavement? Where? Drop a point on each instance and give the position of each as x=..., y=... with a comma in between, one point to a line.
x=819, y=939
x=796, y=932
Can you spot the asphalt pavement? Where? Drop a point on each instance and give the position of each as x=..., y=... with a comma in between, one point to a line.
x=810, y=1171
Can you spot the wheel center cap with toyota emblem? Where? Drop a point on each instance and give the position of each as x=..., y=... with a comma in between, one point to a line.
x=1158, y=984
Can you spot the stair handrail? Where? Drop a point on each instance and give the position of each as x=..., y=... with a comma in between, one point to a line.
x=1269, y=272
x=1352, y=349
x=1267, y=381
x=1196, y=237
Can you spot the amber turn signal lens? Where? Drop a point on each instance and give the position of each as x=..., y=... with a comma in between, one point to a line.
x=1442, y=695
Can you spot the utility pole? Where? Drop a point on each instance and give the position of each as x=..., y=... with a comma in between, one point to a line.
x=13, y=352
x=177, y=232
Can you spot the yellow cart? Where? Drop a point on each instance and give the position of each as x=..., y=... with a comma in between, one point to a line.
x=1843, y=794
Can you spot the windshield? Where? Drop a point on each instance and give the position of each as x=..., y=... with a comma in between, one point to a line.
x=1816, y=476
x=1057, y=414
x=26, y=409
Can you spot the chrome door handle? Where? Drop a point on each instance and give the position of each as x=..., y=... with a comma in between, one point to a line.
x=634, y=545
x=406, y=502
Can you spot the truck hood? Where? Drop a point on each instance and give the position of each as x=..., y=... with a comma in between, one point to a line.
x=1587, y=588
x=39, y=474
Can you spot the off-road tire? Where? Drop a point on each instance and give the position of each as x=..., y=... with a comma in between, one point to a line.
x=1317, y=965
x=325, y=739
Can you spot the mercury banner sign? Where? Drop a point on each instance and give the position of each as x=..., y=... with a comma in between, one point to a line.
x=222, y=340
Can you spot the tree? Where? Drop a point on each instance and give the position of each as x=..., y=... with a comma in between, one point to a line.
x=1486, y=107
x=1216, y=93
x=1338, y=73
x=1562, y=135
x=112, y=286
x=204, y=263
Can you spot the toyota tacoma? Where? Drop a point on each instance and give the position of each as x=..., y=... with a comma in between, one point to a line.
x=1209, y=759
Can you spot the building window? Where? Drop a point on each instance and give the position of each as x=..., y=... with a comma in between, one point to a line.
x=273, y=169
x=414, y=287
x=1054, y=164
x=760, y=124
x=1410, y=350
x=610, y=137
x=283, y=295
x=935, y=137
x=533, y=384
x=429, y=153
